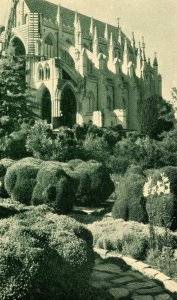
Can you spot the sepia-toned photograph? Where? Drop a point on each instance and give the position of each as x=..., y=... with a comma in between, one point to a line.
x=88, y=149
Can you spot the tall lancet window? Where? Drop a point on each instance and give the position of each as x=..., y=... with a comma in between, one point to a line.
x=49, y=46
x=90, y=102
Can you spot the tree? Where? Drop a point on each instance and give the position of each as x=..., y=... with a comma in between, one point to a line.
x=156, y=115
x=14, y=92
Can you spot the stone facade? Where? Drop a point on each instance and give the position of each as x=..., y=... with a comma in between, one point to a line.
x=81, y=69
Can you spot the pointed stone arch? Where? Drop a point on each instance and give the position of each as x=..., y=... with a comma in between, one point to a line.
x=45, y=104
x=49, y=46
x=17, y=46
x=68, y=106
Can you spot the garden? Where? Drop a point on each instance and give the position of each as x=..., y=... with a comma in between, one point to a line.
x=51, y=179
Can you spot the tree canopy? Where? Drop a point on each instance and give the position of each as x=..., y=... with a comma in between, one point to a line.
x=14, y=92
x=156, y=115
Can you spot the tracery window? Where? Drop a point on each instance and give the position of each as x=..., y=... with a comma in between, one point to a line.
x=49, y=46
x=90, y=102
x=47, y=72
x=40, y=73
x=109, y=103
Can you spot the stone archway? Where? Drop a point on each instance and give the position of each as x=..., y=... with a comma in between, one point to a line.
x=68, y=107
x=17, y=47
x=46, y=106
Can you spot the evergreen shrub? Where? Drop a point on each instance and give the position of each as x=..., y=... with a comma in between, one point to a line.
x=94, y=183
x=54, y=187
x=20, y=179
x=4, y=164
x=130, y=203
x=44, y=256
x=16, y=142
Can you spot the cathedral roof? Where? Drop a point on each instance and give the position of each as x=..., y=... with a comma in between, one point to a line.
x=49, y=11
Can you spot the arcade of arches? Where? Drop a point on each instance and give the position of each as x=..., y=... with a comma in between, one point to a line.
x=68, y=107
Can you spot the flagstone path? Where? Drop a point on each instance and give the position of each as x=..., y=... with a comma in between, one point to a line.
x=118, y=280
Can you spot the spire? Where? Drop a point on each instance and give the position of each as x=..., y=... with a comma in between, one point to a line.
x=78, y=35
x=75, y=19
x=143, y=50
x=133, y=41
x=95, y=42
x=111, y=48
x=91, y=26
x=78, y=26
x=155, y=62
x=125, y=58
x=119, y=35
x=139, y=62
x=118, y=22
x=58, y=17
x=106, y=33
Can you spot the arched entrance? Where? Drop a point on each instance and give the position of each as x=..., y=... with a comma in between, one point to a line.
x=17, y=47
x=68, y=107
x=46, y=110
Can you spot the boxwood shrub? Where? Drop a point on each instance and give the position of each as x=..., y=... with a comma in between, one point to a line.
x=94, y=183
x=20, y=179
x=44, y=256
x=4, y=164
x=54, y=187
x=130, y=203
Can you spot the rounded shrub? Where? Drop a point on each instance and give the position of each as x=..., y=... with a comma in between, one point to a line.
x=15, y=148
x=73, y=163
x=94, y=183
x=5, y=163
x=20, y=179
x=54, y=187
x=130, y=203
x=44, y=256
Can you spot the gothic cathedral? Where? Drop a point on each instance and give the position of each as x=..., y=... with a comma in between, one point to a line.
x=80, y=69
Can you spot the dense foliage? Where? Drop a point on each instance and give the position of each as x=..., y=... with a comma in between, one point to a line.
x=130, y=203
x=44, y=256
x=54, y=187
x=14, y=93
x=162, y=203
x=59, y=185
x=156, y=115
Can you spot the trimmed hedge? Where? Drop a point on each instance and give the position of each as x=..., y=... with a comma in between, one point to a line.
x=94, y=184
x=5, y=163
x=59, y=185
x=130, y=203
x=20, y=179
x=54, y=187
x=44, y=256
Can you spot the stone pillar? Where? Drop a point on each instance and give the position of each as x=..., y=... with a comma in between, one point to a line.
x=97, y=118
x=56, y=113
x=121, y=117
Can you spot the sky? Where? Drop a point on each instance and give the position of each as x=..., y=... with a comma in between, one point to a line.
x=156, y=20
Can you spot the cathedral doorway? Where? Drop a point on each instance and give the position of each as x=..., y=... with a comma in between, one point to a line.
x=68, y=108
x=17, y=47
x=46, y=110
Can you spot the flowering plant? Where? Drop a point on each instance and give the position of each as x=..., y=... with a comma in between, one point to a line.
x=162, y=186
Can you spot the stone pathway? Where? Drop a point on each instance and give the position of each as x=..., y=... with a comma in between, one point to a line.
x=121, y=282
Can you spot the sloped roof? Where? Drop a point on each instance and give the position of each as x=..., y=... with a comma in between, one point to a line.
x=49, y=11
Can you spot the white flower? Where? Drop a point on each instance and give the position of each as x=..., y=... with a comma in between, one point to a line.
x=154, y=190
x=147, y=187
